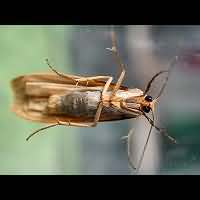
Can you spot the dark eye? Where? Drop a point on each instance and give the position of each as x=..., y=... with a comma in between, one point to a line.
x=148, y=98
x=146, y=109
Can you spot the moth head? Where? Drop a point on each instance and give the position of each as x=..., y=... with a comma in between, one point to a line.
x=143, y=103
x=148, y=104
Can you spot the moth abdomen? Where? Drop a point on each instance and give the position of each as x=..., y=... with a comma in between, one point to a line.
x=75, y=104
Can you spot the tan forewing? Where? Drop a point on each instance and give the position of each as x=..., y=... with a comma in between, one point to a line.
x=33, y=91
x=54, y=78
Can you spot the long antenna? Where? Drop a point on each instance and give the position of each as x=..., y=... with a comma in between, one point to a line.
x=144, y=149
x=152, y=79
x=172, y=64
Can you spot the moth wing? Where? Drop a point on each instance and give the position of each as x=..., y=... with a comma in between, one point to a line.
x=54, y=78
x=31, y=94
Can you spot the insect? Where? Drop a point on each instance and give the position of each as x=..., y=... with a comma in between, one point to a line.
x=69, y=100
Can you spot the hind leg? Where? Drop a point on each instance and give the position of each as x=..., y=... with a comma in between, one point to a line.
x=78, y=79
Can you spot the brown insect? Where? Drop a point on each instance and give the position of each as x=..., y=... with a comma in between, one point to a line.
x=61, y=99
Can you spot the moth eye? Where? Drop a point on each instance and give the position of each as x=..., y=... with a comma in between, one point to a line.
x=146, y=109
x=148, y=98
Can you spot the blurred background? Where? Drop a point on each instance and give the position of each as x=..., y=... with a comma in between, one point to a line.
x=82, y=50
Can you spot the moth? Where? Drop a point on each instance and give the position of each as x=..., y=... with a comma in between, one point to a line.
x=70, y=100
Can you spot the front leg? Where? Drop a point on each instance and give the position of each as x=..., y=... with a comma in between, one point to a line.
x=119, y=62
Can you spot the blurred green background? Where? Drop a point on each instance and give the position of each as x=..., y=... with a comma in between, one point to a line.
x=82, y=50
x=23, y=50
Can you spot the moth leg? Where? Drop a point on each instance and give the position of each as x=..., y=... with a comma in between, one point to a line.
x=76, y=80
x=100, y=106
x=99, y=109
x=98, y=113
x=41, y=129
x=72, y=124
x=86, y=125
x=93, y=124
x=56, y=124
x=119, y=62
x=93, y=78
x=119, y=82
x=58, y=73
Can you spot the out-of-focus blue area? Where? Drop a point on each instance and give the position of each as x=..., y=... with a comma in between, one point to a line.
x=82, y=50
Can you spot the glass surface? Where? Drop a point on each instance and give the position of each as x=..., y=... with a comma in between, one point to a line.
x=81, y=50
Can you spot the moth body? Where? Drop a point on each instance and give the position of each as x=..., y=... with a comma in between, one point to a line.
x=46, y=98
